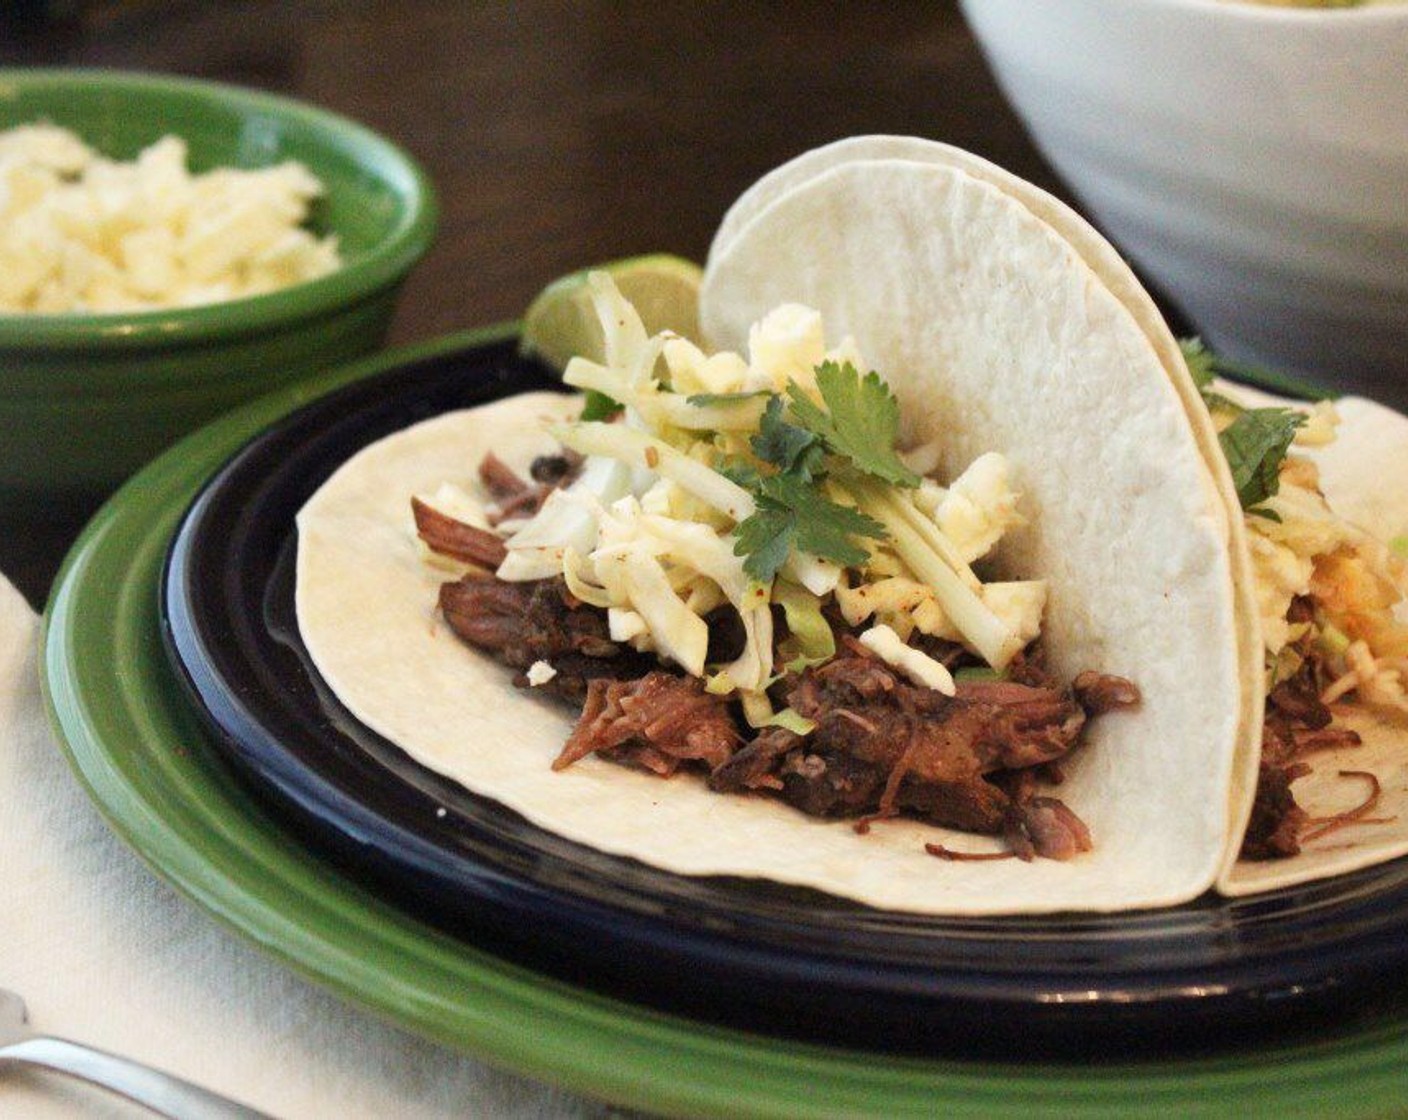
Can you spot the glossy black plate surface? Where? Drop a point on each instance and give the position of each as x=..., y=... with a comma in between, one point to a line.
x=1214, y=975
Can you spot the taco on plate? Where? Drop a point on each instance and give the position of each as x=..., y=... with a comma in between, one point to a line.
x=841, y=560
x=1319, y=780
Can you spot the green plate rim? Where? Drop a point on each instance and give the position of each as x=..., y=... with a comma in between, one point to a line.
x=137, y=747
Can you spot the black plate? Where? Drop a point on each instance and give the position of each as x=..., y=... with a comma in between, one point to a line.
x=1203, y=977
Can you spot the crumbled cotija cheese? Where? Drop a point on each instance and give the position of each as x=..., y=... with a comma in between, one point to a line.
x=79, y=232
x=915, y=664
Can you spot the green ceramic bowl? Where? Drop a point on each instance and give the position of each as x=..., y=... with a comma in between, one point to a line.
x=86, y=399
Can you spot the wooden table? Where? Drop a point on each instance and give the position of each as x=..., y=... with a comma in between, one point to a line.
x=558, y=135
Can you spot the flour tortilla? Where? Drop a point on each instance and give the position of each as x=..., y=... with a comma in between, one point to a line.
x=996, y=333
x=993, y=332
x=1116, y=275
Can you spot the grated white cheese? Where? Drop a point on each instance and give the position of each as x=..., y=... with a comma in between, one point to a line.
x=79, y=232
x=539, y=673
x=918, y=666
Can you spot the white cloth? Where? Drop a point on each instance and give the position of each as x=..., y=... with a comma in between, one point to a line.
x=103, y=952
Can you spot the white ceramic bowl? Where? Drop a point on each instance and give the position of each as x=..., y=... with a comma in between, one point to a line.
x=1252, y=161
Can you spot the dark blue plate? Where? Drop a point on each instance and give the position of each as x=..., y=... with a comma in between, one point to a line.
x=1211, y=976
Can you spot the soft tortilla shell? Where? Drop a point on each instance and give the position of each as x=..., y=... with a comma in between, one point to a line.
x=1112, y=270
x=996, y=335
x=365, y=601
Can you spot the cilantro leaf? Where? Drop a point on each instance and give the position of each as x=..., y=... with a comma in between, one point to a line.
x=764, y=539
x=798, y=441
x=740, y=471
x=1204, y=365
x=824, y=527
x=1255, y=444
x=790, y=511
x=598, y=406
x=1200, y=361
x=860, y=421
x=786, y=446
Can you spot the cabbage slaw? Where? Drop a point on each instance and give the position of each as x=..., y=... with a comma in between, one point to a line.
x=646, y=531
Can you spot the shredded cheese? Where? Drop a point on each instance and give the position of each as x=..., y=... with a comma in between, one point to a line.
x=918, y=666
x=79, y=232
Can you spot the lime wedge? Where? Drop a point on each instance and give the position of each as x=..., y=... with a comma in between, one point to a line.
x=560, y=322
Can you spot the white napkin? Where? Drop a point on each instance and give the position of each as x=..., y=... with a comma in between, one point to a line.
x=103, y=952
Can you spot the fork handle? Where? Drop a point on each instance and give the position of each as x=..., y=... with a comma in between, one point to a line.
x=161, y=1092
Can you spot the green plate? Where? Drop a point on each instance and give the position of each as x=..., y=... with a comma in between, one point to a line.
x=139, y=749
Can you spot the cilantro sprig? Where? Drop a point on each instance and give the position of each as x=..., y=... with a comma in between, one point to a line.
x=792, y=511
x=859, y=422
x=792, y=449
x=1255, y=442
x=1204, y=365
x=804, y=442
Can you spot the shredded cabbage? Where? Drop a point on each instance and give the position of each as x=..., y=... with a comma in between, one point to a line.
x=647, y=531
x=811, y=641
x=1355, y=582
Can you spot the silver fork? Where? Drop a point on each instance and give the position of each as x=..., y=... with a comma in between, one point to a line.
x=161, y=1092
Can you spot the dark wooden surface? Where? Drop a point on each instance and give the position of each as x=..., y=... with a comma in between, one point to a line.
x=558, y=135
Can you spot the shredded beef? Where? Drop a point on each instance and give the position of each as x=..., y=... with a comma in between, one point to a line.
x=948, y=654
x=1045, y=826
x=517, y=497
x=657, y=722
x=1298, y=703
x=1297, y=723
x=880, y=746
x=522, y=623
x=754, y=766
x=824, y=782
x=501, y=480
x=455, y=539
x=975, y=805
x=1099, y=693
x=1274, y=827
x=863, y=707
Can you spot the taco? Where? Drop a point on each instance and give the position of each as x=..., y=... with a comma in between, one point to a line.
x=1332, y=610
x=993, y=337
x=1318, y=787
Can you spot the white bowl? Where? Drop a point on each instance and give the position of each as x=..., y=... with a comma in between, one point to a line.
x=1251, y=161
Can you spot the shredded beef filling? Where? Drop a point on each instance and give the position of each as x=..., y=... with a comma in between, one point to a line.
x=1274, y=828
x=881, y=746
x=1297, y=723
x=656, y=723
x=449, y=537
x=523, y=623
x=517, y=497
